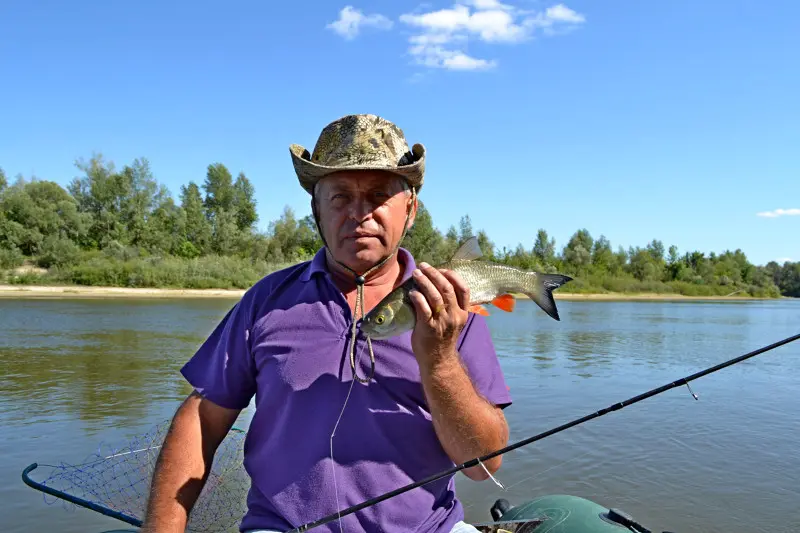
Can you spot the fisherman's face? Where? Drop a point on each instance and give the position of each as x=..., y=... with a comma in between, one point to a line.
x=362, y=215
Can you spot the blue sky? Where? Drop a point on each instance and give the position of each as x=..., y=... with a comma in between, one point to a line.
x=674, y=120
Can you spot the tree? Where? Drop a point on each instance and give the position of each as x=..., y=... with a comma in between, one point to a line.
x=100, y=193
x=422, y=240
x=138, y=195
x=309, y=239
x=486, y=244
x=197, y=229
x=3, y=180
x=165, y=228
x=244, y=203
x=673, y=255
x=644, y=265
x=602, y=256
x=36, y=210
x=219, y=190
x=656, y=250
x=226, y=236
x=674, y=264
x=465, y=229
x=450, y=244
x=578, y=251
x=544, y=249
x=790, y=279
x=283, y=236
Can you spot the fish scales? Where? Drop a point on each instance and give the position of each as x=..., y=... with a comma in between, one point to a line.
x=486, y=281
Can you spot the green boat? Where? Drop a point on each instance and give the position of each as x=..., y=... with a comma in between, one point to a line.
x=116, y=483
x=558, y=513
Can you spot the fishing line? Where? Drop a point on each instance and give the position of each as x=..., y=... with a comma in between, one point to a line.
x=614, y=407
x=335, y=427
x=537, y=474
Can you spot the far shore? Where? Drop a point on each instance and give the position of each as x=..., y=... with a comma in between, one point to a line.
x=81, y=291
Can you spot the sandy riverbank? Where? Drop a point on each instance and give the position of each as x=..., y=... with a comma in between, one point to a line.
x=77, y=291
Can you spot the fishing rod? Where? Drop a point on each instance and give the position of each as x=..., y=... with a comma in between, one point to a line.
x=519, y=444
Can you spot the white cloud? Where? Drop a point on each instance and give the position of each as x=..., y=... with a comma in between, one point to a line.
x=488, y=4
x=445, y=32
x=783, y=260
x=492, y=25
x=351, y=20
x=556, y=19
x=779, y=213
x=561, y=13
x=439, y=57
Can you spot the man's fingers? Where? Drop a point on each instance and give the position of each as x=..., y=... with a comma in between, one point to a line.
x=421, y=305
x=442, y=284
x=459, y=286
x=433, y=298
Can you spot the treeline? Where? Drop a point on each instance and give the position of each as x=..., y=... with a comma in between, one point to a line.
x=120, y=227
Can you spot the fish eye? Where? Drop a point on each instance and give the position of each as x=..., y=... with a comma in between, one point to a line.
x=380, y=319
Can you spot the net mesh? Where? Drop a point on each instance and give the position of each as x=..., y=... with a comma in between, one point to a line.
x=118, y=479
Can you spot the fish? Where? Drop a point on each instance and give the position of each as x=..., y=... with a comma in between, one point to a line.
x=488, y=282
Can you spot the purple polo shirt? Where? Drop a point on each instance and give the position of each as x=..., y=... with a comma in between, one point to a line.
x=286, y=342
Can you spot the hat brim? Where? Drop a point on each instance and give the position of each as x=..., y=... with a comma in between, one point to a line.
x=309, y=173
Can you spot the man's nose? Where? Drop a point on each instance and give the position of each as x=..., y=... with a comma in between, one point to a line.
x=360, y=208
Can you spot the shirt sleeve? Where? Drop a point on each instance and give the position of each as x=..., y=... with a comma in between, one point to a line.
x=222, y=369
x=478, y=354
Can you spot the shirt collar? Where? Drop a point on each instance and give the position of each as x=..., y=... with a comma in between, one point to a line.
x=319, y=265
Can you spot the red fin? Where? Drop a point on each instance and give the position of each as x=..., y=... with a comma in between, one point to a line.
x=478, y=310
x=505, y=302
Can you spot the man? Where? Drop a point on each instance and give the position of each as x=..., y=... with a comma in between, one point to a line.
x=340, y=419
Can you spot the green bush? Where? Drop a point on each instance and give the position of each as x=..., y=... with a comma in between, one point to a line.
x=171, y=272
x=56, y=251
x=11, y=258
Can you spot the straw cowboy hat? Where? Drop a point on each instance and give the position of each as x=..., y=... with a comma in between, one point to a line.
x=359, y=142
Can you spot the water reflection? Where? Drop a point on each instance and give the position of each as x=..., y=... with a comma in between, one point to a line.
x=544, y=345
x=97, y=363
x=91, y=384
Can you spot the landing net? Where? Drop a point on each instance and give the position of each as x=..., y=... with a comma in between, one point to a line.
x=115, y=481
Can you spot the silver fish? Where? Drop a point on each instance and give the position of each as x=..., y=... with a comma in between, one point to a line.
x=488, y=283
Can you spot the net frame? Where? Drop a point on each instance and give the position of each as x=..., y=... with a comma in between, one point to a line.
x=116, y=482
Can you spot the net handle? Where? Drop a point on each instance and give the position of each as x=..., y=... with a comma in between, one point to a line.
x=74, y=499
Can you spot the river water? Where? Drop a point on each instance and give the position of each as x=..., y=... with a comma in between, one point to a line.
x=80, y=373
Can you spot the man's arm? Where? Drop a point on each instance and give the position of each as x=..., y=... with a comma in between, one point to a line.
x=197, y=429
x=467, y=425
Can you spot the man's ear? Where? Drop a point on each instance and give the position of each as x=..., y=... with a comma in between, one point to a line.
x=315, y=214
x=414, y=209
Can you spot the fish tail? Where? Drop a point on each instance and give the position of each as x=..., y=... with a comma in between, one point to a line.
x=540, y=289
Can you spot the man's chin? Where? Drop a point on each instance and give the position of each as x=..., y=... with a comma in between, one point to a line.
x=360, y=254
x=363, y=245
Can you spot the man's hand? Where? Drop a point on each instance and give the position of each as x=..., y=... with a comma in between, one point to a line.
x=467, y=425
x=441, y=302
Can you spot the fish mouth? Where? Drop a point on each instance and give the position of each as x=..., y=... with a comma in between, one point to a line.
x=377, y=336
x=368, y=331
